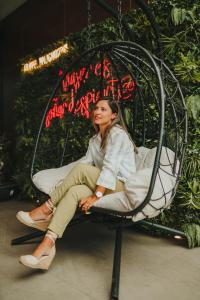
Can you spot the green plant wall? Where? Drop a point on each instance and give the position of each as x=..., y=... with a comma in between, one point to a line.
x=179, y=24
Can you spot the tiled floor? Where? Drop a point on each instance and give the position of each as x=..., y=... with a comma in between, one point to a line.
x=152, y=268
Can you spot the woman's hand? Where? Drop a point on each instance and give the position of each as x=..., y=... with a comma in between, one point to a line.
x=86, y=203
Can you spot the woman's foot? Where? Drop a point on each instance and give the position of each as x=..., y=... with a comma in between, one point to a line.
x=43, y=255
x=39, y=217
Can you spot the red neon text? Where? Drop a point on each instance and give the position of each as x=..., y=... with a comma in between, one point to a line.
x=120, y=89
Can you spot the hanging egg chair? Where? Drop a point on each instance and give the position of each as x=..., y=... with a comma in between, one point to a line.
x=151, y=103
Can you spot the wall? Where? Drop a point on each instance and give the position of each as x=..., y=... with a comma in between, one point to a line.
x=8, y=6
x=32, y=26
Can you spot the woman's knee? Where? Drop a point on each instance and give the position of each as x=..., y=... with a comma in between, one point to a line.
x=81, y=167
x=73, y=192
x=78, y=192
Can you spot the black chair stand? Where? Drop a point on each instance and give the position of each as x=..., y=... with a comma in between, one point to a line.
x=116, y=264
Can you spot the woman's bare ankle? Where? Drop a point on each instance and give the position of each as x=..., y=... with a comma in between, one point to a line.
x=46, y=209
x=45, y=246
x=40, y=213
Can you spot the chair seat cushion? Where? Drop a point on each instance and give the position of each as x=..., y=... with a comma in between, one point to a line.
x=47, y=180
x=136, y=187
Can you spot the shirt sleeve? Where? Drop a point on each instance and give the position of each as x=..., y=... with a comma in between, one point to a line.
x=88, y=158
x=112, y=160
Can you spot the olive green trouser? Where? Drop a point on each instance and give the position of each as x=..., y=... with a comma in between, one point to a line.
x=78, y=184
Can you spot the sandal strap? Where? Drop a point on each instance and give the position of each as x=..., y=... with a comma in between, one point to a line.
x=51, y=235
x=49, y=204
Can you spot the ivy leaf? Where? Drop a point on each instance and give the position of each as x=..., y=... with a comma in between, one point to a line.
x=193, y=106
x=192, y=13
x=192, y=232
x=178, y=15
x=188, y=67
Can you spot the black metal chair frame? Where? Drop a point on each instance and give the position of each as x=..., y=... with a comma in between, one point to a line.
x=128, y=53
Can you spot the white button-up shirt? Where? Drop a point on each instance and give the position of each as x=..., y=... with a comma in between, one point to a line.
x=116, y=161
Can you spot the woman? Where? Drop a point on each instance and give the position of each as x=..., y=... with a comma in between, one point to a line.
x=109, y=161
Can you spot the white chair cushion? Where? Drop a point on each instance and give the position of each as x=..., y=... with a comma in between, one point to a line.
x=47, y=180
x=136, y=187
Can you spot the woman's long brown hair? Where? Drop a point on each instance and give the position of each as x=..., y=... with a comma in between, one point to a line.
x=117, y=121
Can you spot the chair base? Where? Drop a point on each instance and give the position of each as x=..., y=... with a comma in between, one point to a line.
x=168, y=230
x=116, y=265
x=27, y=237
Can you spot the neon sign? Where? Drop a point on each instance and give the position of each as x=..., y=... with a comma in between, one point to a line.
x=71, y=84
x=45, y=59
